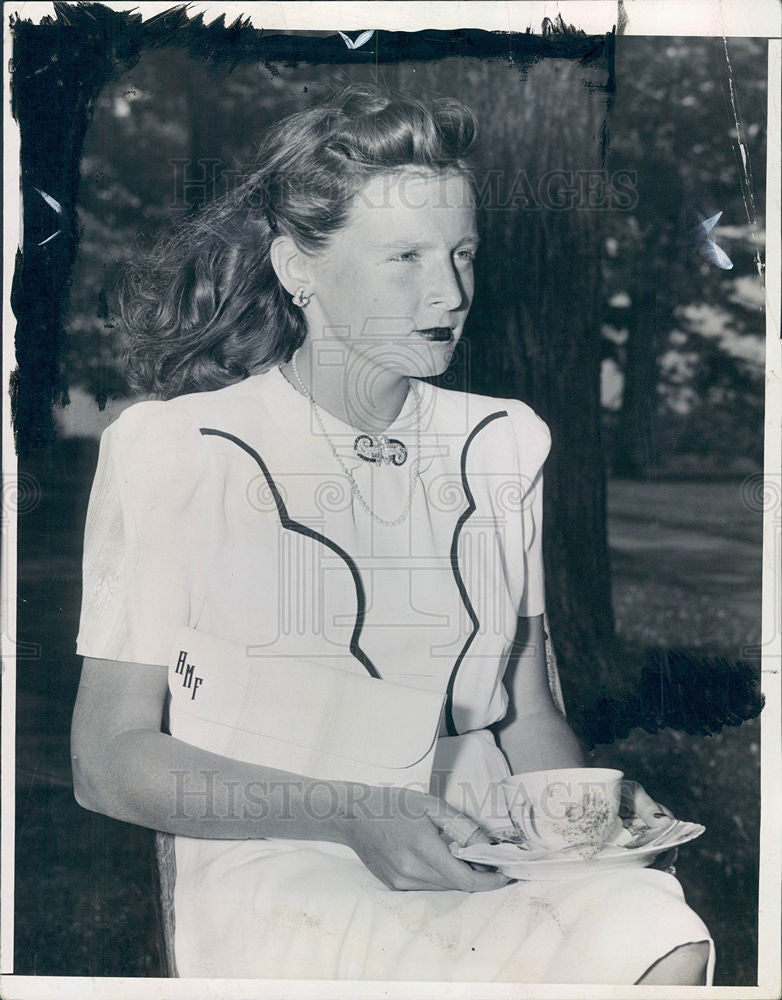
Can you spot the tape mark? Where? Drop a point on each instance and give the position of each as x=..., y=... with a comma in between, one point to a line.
x=707, y=247
x=362, y=39
x=622, y=18
x=51, y=202
x=54, y=204
x=745, y=174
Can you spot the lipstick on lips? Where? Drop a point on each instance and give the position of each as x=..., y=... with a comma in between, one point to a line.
x=436, y=333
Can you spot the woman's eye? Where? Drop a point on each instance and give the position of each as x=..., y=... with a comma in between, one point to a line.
x=412, y=255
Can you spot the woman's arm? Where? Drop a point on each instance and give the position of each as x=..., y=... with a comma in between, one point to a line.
x=126, y=768
x=533, y=735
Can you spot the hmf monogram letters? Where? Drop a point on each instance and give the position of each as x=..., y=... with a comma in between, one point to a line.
x=187, y=670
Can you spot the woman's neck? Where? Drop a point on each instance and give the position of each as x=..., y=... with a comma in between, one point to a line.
x=369, y=399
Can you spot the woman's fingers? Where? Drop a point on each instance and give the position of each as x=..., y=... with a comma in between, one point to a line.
x=431, y=866
x=456, y=827
x=451, y=873
x=477, y=836
x=458, y=874
x=637, y=802
x=438, y=883
x=406, y=847
x=433, y=862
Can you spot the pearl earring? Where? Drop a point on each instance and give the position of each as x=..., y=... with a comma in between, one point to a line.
x=300, y=298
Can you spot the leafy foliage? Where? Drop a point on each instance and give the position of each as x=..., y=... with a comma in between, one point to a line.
x=682, y=330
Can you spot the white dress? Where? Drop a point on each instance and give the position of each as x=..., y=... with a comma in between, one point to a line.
x=227, y=511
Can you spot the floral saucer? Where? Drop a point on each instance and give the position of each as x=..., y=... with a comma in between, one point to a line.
x=520, y=862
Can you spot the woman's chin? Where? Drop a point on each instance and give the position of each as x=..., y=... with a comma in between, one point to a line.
x=429, y=360
x=405, y=357
x=436, y=370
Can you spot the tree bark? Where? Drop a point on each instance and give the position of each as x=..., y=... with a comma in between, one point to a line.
x=535, y=329
x=633, y=447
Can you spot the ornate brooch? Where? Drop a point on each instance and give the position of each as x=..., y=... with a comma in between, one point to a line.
x=380, y=449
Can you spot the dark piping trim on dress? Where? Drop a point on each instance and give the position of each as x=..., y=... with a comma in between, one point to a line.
x=463, y=517
x=288, y=522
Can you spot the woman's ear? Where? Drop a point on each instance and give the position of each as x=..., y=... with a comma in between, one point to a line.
x=290, y=264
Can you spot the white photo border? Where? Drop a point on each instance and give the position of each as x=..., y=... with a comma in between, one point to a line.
x=721, y=18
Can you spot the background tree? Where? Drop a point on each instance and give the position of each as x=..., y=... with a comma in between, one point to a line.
x=674, y=126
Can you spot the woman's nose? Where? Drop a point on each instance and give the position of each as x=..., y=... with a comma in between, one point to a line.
x=446, y=286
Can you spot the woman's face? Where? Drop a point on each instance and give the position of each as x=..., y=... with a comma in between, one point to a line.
x=393, y=288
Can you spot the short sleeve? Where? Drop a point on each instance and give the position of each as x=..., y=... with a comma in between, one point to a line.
x=139, y=575
x=533, y=443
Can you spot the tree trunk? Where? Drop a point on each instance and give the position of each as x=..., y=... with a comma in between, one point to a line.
x=535, y=329
x=562, y=325
x=633, y=449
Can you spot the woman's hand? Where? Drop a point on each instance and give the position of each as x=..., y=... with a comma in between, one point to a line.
x=402, y=837
x=638, y=804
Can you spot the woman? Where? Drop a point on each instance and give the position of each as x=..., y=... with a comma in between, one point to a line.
x=297, y=488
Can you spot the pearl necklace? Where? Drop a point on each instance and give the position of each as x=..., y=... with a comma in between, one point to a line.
x=353, y=484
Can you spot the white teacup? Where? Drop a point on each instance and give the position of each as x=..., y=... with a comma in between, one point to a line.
x=567, y=807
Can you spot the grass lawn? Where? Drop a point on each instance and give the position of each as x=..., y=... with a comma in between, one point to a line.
x=686, y=572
